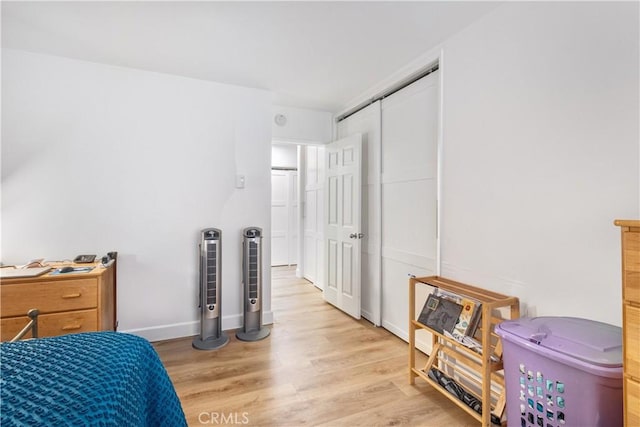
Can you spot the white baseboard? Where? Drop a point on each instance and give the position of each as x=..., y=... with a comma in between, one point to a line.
x=369, y=316
x=267, y=318
x=424, y=345
x=166, y=332
x=395, y=330
x=188, y=329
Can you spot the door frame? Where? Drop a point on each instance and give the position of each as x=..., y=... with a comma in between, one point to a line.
x=302, y=169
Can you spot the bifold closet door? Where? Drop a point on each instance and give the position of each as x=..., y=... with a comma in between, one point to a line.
x=409, y=193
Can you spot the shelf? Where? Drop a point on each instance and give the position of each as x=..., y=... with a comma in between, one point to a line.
x=474, y=371
x=442, y=390
x=495, y=366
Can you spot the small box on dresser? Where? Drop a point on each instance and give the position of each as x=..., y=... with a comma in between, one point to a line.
x=631, y=319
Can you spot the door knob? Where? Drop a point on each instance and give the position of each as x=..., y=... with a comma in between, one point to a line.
x=353, y=236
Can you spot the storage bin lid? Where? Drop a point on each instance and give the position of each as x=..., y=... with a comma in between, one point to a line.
x=592, y=342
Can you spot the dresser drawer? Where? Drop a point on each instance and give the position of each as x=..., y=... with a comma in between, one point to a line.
x=632, y=403
x=631, y=257
x=50, y=325
x=631, y=333
x=48, y=296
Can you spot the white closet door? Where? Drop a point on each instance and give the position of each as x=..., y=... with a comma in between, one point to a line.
x=409, y=193
x=367, y=122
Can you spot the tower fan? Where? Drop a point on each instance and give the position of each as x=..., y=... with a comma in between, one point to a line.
x=252, y=281
x=211, y=336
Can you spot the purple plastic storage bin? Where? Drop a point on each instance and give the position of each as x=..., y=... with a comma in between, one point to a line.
x=561, y=372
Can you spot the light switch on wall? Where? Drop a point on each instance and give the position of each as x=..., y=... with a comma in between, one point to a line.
x=239, y=181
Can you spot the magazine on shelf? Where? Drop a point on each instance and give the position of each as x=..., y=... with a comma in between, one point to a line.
x=469, y=317
x=440, y=314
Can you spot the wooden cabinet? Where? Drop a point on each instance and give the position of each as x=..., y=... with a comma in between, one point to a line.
x=68, y=303
x=480, y=374
x=631, y=319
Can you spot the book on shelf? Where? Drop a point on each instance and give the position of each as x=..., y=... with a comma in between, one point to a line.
x=469, y=317
x=473, y=344
x=440, y=314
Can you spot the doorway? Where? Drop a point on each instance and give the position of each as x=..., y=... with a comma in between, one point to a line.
x=284, y=205
x=297, y=217
x=284, y=217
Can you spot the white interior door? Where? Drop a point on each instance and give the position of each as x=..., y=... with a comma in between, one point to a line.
x=343, y=233
x=279, y=217
x=284, y=202
x=313, y=214
x=293, y=218
x=368, y=122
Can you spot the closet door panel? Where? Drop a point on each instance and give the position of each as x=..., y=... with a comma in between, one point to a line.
x=409, y=193
x=412, y=228
x=410, y=132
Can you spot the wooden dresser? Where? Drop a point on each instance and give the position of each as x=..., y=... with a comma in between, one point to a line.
x=68, y=303
x=631, y=319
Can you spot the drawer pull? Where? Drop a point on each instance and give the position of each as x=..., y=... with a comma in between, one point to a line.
x=77, y=295
x=71, y=327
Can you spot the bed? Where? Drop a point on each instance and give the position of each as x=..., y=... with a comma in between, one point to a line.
x=96, y=378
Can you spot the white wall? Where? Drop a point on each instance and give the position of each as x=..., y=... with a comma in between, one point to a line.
x=303, y=126
x=284, y=155
x=541, y=153
x=98, y=158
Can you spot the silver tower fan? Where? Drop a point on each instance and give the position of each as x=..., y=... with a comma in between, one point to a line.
x=252, y=281
x=211, y=336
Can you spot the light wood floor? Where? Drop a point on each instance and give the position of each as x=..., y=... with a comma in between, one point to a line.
x=318, y=367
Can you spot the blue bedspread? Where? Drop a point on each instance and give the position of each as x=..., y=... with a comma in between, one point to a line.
x=101, y=378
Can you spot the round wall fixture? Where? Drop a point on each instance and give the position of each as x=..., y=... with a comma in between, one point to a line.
x=280, y=119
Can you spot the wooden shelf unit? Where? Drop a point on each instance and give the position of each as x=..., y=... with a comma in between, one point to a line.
x=630, y=238
x=468, y=365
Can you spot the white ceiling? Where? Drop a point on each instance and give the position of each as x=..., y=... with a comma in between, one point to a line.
x=317, y=55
